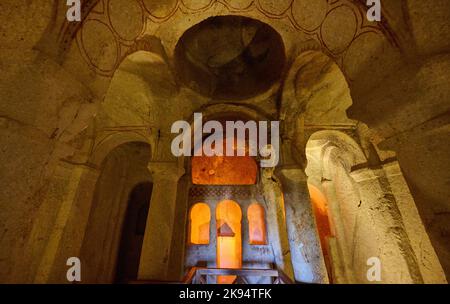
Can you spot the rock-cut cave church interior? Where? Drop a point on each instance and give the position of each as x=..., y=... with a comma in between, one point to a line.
x=362, y=182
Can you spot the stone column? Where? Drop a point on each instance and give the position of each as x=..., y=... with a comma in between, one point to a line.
x=398, y=261
x=339, y=250
x=408, y=110
x=37, y=123
x=177, y=254
x=304, y=242
x=68, y=230
x=105, y=270
x=155, y=254
x=276, y=220
x=428, y=261
x=306, y=252
x=38, y=252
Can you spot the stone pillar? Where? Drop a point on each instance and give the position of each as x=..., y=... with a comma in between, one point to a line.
x=339, y=249
x=428, y=262
x=276, y=220
x=37, y=123
x=306, y=252
x=104, y=270
x=155, y=254
x=67, y=232
x=408, y=110
x=60, y=191
x=398, y=261
x=177, y=254
x=424, y=160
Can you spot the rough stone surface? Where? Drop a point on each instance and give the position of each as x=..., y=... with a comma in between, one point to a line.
x=363, y=106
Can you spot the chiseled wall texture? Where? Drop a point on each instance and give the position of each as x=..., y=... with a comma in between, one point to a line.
x=124, y=168
x=72, y=92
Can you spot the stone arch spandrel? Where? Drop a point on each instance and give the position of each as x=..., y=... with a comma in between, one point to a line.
x=221, y=111
x=112, y=141
x=100, y=48
x=95, y=63
x=343, y=142
x=212, y=111
x=316, y=88
x=295, y=17
x=315, y=96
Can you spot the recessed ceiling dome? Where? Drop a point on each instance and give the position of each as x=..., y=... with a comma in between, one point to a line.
x=230, y=57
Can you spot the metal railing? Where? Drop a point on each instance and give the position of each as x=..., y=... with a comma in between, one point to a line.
x=199, y=275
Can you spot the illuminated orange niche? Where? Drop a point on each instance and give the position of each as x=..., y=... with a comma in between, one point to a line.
x=224, y=170
x=200, y=218
x=256, y=224
x=229, y=240
x=320, y=208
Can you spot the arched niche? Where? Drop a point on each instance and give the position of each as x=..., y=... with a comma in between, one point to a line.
x=120, y=171
x=257, y=232
x=316, y=95
x=337, y=199
x=199, y=224
x=114, y=140
x=229, y=238
x=133, y=230
x=224, y=170
x=331, y=156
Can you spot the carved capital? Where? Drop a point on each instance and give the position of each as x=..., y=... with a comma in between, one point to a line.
x=293, y=173
x=171, y=171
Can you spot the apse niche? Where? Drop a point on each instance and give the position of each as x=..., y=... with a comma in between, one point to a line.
x=230, y=57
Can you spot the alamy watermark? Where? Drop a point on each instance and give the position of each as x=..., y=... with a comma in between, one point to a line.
x=374, y=271
x=73, y=274
x=256, y=144
x=74, y=10
x=374, y=11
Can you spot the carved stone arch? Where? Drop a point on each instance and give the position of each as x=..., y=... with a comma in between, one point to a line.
x=330, y=146
x=292, y=19
x=290, y=106
x=100, y=47
x=112, y=141
x=344, y=142
x=211, y=111
x=225, y=110
x=312, y=73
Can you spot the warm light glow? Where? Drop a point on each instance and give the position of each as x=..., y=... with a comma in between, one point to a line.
x=320, y=208
x=224, y=170
x=229, y=241
x=200, y=218
x=256, y=224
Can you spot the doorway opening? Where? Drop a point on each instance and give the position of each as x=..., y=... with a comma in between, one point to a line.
x=133, y=233
x=213, y=174
x=229, y=238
